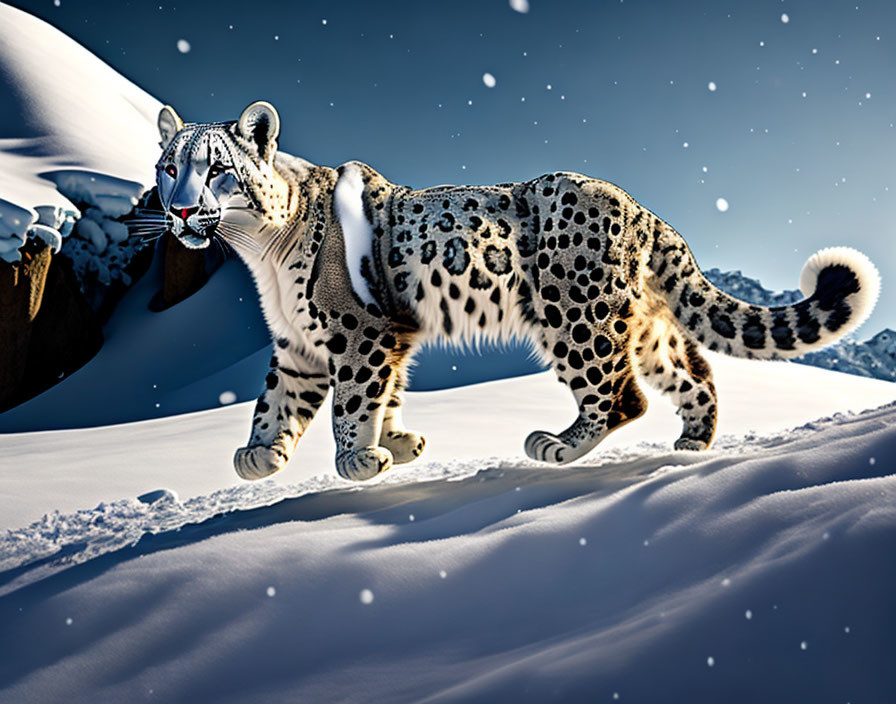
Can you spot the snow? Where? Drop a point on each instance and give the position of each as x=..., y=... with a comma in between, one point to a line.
x=487, y=594
x=521, y=6
x=489, y=80
x=226, y=398
x=721, y=205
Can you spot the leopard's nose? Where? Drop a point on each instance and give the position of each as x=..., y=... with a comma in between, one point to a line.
x=184, y=213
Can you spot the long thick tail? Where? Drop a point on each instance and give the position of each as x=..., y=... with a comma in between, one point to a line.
x=841, y=286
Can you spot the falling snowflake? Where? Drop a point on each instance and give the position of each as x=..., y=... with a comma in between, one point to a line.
x=721, y=204
x=711, y=661
x=804, y=645
x=489, y=80
x=712, y=86
x=271, y=591
x=443, y=574
x=183, y=46
x=226, y=398
x=748, y=614
x=366, y=596
x=785, y=18
x=521, y=6
x=583, y=541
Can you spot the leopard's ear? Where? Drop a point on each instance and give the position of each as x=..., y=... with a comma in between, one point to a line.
x=260, y=124
x=169, y=125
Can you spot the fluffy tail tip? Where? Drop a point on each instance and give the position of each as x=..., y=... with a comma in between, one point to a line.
x=842, y=274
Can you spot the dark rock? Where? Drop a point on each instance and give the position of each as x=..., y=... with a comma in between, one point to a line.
x=184, y=271
x=47, y=328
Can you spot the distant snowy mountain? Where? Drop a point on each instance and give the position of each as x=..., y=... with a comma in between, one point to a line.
x=874, y=358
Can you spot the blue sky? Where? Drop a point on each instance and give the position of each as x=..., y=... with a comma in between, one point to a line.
x=797, y=137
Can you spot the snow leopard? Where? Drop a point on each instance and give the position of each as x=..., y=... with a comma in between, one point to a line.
x=355, y=272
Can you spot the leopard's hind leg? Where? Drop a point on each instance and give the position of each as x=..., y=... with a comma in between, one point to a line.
x=671, y=363
x=599, y=373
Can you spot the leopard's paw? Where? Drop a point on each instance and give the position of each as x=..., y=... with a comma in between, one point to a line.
x=363, y=463
x=684, y=443
x=547, y=447
x=405, y=445
x=258, y=461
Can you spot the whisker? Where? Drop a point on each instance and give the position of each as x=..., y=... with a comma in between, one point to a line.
x=229, y=231
x=144, y=233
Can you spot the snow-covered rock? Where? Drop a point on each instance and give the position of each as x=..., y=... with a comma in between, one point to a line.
x=14, y=223
x=49, y=236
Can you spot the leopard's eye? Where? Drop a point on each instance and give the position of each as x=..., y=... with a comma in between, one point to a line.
x=171, y=170
x=216, y=170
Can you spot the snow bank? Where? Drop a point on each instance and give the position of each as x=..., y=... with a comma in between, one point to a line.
x=761, y=571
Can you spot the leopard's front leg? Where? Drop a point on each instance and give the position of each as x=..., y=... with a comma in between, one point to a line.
x=295, y=388
x=367, y=363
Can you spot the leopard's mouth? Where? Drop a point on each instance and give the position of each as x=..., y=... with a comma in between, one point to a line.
x=193, y=240
x=195, y=231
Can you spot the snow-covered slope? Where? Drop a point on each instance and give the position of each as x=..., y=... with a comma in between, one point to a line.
x=759, y=571
x=79, y=121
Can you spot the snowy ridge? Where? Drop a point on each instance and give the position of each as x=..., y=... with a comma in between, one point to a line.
x=750, y=290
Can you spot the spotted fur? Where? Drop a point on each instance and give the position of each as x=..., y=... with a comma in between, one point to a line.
x=354, y=272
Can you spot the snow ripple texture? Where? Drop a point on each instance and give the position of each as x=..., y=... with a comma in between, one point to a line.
x=59, y=541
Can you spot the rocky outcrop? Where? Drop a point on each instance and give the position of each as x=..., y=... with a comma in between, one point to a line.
x=21, y=292
x=47, y=329
x=184, y=271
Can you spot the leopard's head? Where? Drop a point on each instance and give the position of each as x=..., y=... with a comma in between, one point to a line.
x=218, y=178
